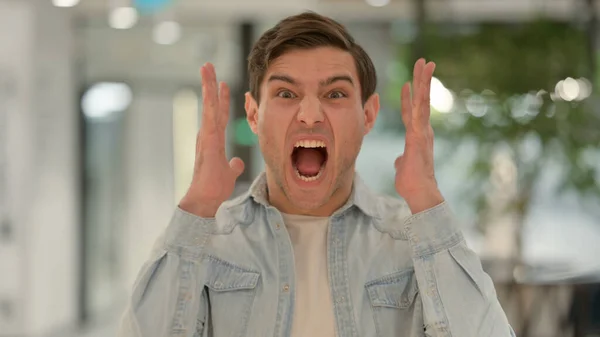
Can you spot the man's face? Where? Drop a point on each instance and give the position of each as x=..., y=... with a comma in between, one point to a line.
x=310, y=123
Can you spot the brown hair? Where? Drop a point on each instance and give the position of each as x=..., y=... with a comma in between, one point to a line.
x=306, y=31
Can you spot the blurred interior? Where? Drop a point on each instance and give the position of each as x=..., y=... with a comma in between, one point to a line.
x=100, y=104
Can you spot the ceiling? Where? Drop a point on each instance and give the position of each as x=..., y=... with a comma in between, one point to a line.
x=210, y=31
x=190, y=11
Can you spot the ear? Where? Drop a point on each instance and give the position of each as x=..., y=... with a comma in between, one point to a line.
x=251, y=112
x=371, y=109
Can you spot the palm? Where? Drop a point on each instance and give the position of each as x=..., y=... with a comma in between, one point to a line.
x=414, y=169
x=214, y=176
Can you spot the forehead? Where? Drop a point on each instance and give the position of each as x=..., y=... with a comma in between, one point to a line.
x=313, y=65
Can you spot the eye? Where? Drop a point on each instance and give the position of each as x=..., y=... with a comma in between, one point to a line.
x=286, y=94
x=336, y=95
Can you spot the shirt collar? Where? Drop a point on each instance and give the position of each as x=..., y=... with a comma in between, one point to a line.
x=361, y=196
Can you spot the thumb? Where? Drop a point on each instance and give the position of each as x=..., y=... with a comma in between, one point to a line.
x=237, y=166
x=398, y=161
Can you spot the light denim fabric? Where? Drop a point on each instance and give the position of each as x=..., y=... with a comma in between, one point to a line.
x=391, y=274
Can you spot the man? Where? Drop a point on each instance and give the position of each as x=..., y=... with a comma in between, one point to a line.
x=310, y=250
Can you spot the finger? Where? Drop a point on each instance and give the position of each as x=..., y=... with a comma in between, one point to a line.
x=417, y=72
x=397, y=162
x=205, y=119
x=198, y=143
x=406, y=105
x=237, y=166
x=425, y=95
x=209, y=97
x=431, y=138
x=224, y=94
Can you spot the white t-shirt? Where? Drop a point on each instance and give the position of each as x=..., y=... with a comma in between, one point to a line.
x=313, y=308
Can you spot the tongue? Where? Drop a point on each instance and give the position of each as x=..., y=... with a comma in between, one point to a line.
x=309, y=161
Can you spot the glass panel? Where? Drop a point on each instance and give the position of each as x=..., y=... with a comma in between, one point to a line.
x=104, y=194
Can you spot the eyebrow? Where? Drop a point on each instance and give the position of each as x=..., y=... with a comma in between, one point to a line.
x=324, y=83
x=282, y=78
x=336, y=78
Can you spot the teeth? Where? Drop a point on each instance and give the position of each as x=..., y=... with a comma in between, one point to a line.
x=309, y=143
x=309, y=179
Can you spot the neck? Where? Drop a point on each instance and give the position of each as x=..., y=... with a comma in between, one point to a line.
x=337, y=199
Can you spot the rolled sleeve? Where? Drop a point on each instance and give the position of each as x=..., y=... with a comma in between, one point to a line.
x=432, y=230
x=167, y=297
x=187, y=233
x=458, y=297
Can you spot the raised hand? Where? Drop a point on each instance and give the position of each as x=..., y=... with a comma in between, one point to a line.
x=214, y=176
x=415, y=177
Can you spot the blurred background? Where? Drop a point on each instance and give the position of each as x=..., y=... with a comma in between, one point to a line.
x=100, y=103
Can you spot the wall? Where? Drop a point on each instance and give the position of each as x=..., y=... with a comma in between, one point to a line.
x=150, y=196
x=38, y=261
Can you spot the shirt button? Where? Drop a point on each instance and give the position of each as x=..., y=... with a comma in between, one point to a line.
x=277, y=226
x=218, y=284
x=286, y=288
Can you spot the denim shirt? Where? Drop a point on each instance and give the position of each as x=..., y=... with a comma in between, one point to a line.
x=390, y=274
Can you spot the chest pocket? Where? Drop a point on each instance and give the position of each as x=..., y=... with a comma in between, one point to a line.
x=230, y=292
x=395, y=304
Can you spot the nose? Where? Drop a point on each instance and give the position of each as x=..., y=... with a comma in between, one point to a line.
x=310, y=111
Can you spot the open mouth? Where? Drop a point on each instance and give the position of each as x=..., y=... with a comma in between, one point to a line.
x=309, y=158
